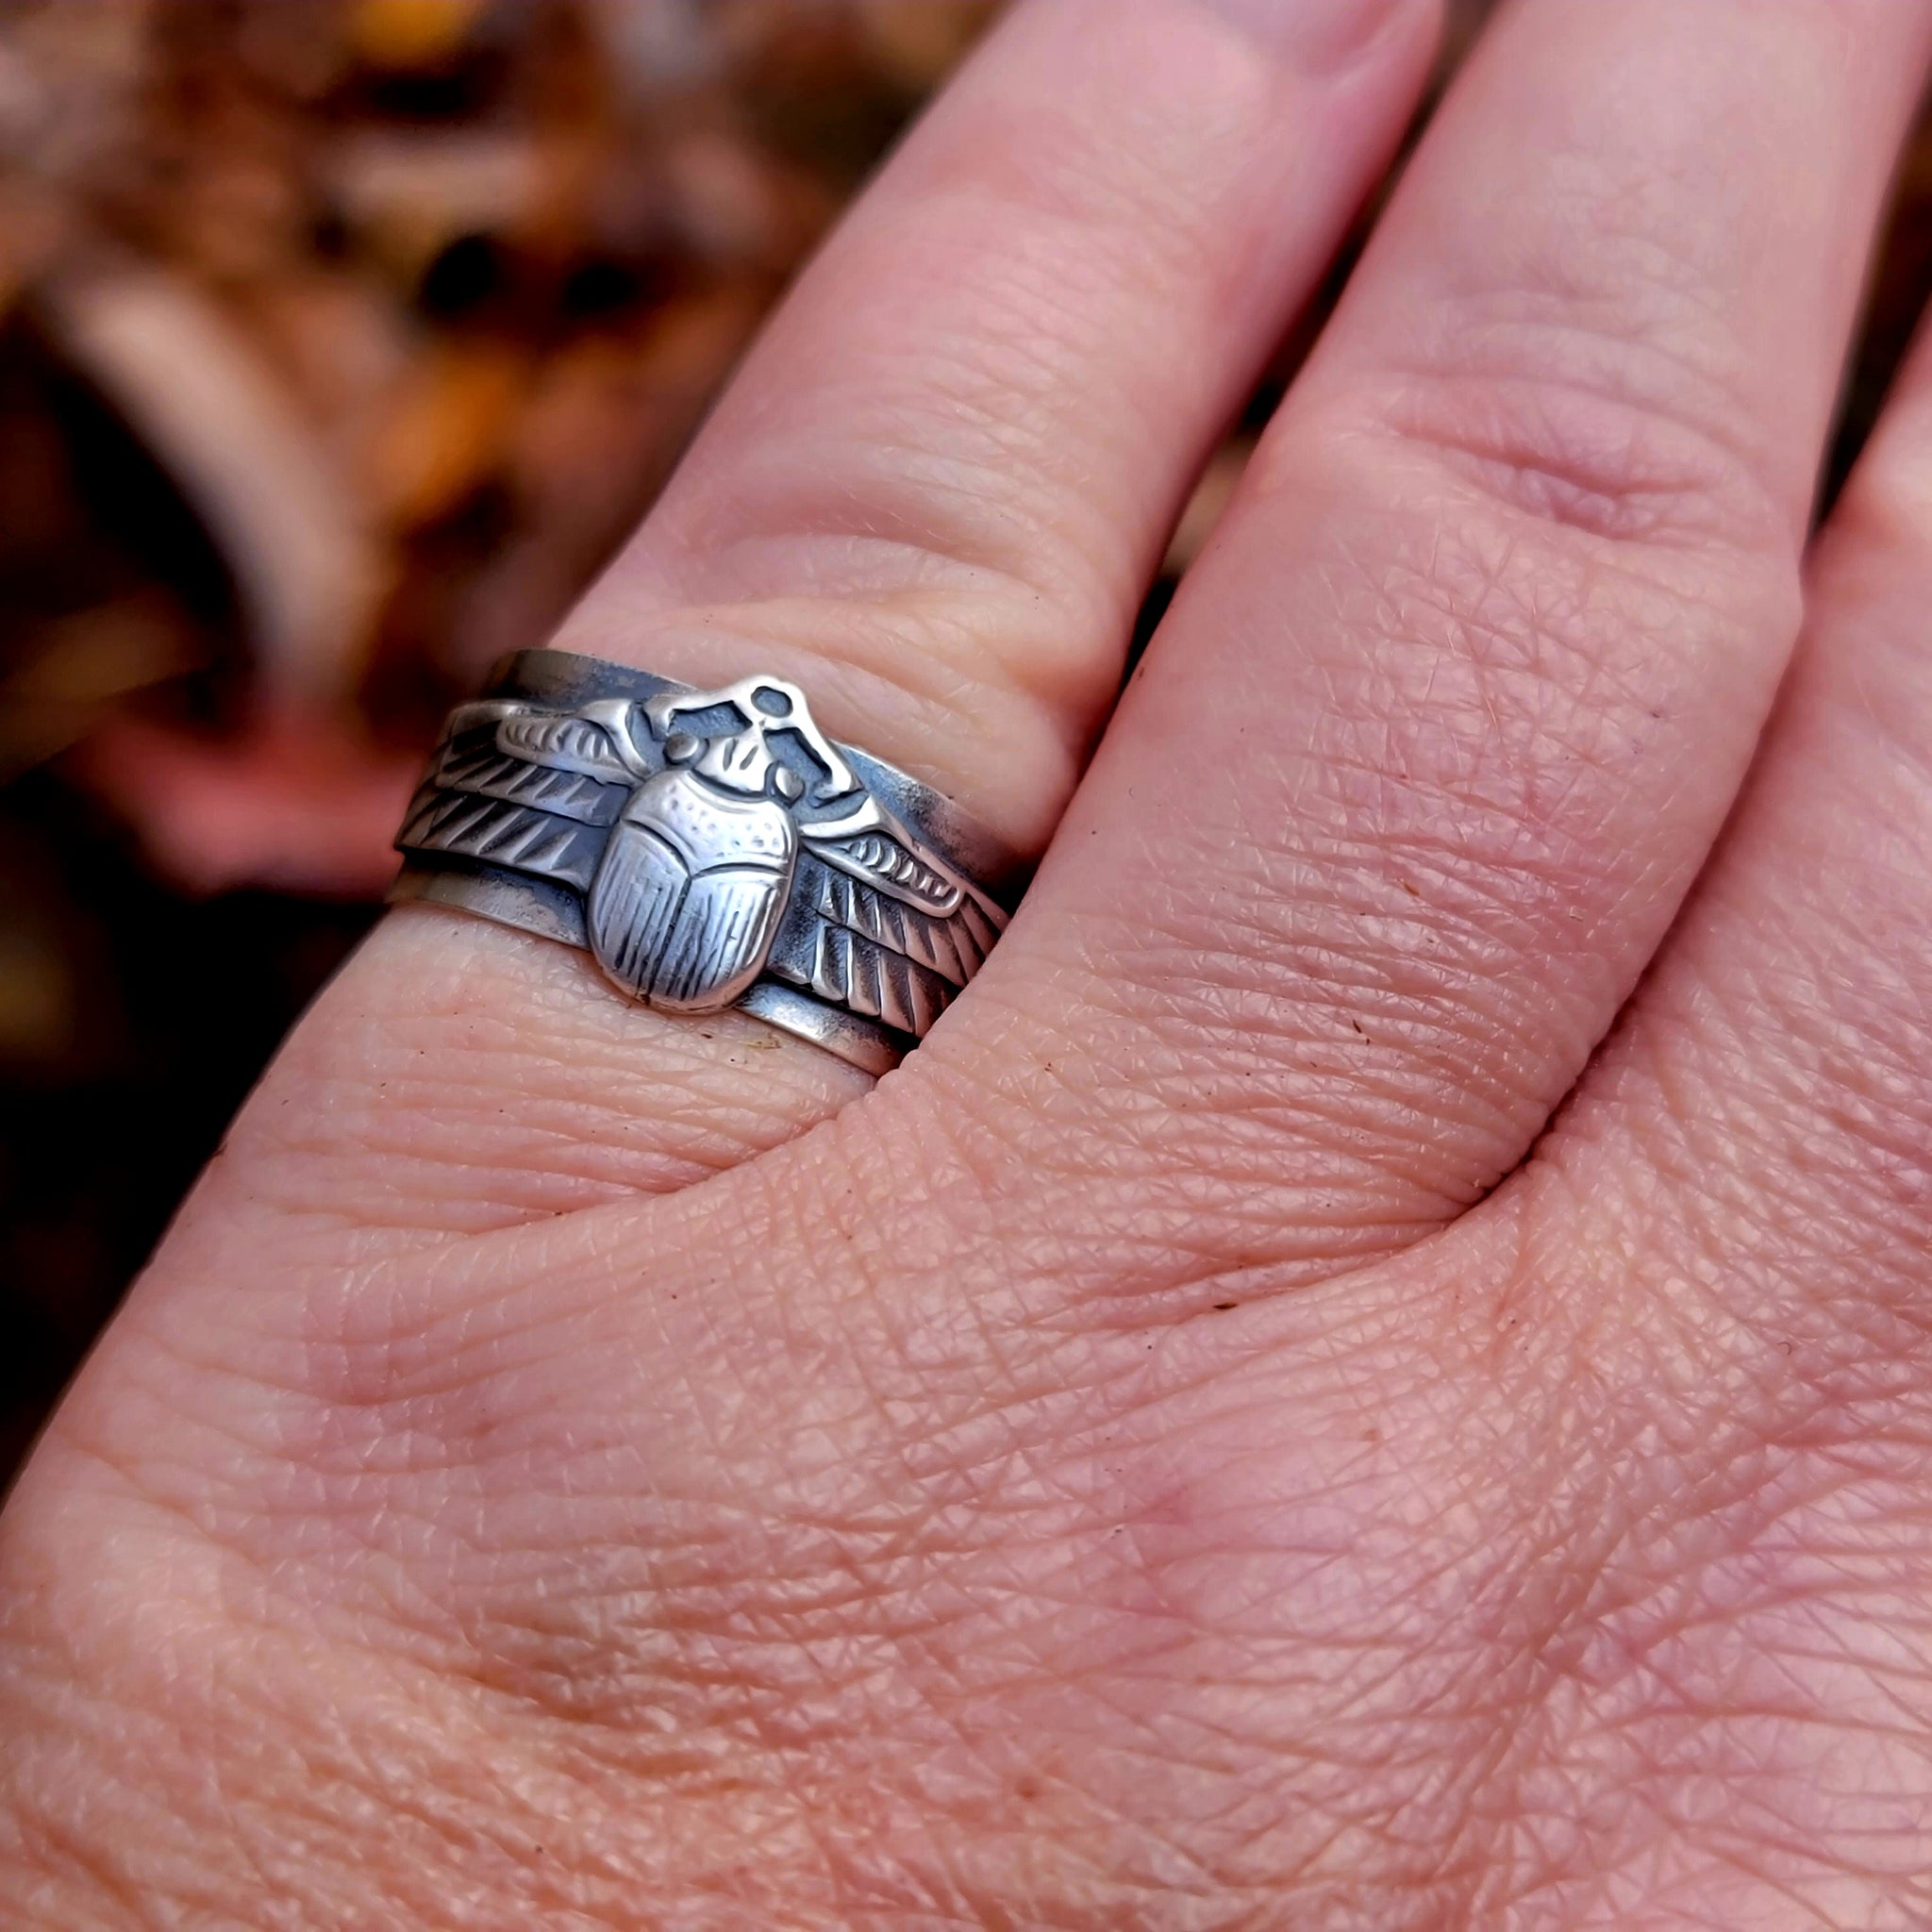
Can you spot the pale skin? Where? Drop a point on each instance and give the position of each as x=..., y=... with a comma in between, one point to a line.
x=1376, y=1371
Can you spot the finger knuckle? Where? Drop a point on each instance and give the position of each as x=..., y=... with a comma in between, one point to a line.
x=1596, y=393
x=1584, y=449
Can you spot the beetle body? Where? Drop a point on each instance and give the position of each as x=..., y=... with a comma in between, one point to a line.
x=690, y=891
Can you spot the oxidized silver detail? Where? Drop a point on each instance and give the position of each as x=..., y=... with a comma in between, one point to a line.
x=709, y=848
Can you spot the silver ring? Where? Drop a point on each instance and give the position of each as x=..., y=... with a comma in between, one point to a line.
x=709, y=849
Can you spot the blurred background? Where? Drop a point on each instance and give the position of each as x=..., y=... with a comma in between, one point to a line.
x=341, y=342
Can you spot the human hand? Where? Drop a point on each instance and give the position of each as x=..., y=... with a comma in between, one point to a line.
x=1136, y=1465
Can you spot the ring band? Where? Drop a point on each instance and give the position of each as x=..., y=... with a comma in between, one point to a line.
x=710, y=849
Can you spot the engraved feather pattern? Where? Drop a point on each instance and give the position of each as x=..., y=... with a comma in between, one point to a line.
x=565, y=794
x=536, y=801
x=467, y=825
x=881, y=926
x=568, y=742
x=880, y=882
x=877, y=858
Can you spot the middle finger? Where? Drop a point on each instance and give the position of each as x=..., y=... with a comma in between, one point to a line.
x=1438, y=733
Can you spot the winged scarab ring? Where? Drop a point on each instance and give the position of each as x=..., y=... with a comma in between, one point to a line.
x=710, y=849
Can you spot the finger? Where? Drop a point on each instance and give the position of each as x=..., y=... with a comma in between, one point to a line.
x=934, y=497
x=937, y=493
x=1781, y=1047
x=1735, y=1212
x=1444, y=723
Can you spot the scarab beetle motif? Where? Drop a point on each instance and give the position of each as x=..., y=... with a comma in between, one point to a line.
x=685, y=905
x=740, y=843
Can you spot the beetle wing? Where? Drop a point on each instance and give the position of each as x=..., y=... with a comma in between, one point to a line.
x=633, y=905
x=720, y=938
x=589, y=743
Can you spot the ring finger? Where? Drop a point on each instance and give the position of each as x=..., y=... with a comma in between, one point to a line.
x=934, y=497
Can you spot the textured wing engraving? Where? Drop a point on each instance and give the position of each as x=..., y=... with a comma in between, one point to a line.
x=896, y=869
x=525, y=789
x=564, y=762
x=587, y=744
x=882, y=925
x=467, y=826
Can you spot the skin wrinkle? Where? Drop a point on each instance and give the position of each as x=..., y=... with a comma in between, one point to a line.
x=1643, y=242
x=1617, y=310
x=1857, y=1041
x=1061, y=172
x=1229, y=987
x=1682, y=1633
x=1235, y=949
x=1656, y=482
x=457, y=1153
x=1698, y=1508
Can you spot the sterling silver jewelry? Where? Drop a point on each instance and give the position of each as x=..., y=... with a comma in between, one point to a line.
x=710, y=849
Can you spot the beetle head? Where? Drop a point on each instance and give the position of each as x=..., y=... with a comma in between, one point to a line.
x=745, y=752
